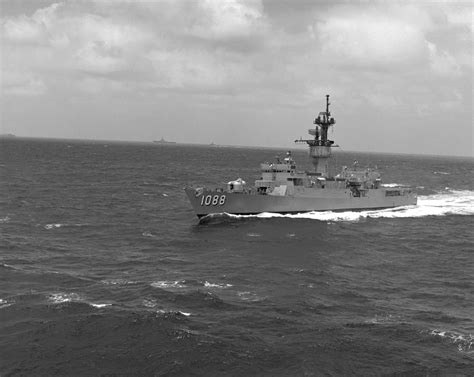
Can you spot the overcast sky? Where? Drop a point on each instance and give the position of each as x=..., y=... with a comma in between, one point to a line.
x=243, y=72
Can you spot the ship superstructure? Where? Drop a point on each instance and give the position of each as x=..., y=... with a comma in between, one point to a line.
x=320, y=146
x=283, y=189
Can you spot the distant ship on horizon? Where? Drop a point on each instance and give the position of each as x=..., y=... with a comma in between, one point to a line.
x=163, y=141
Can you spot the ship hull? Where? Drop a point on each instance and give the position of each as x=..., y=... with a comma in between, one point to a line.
x=207, y=202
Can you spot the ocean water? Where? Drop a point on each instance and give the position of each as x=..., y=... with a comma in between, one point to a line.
x=106, y=271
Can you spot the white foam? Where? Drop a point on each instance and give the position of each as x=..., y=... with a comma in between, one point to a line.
x=383, y=318
x=117, y=282
x=449, y=202
x=464, y=342
x=250, y=296
x=441, y=172
x=162, y=311
x=4, y=219
x=59, y=298
x=392, y=185
x=216, y=285
x=52, y=226
x=5, y=303
x=58, y=225
x=168, y=284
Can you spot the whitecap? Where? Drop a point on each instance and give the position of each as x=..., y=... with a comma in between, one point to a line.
x=117, y=282
x=392, y=185
x=253, y=235
x=178, y=312
x=383, y=318
x=441, y=173
x=5, y=303
x=52, y=226
x=62, y=297
x=216, y=285
x=59, y=298
x=5, y=219
x=249, y=296
x=168, y=284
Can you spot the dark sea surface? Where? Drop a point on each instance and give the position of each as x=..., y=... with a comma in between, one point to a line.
x=106, y=271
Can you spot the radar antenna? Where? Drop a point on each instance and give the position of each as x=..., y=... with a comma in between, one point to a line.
x=320, y=146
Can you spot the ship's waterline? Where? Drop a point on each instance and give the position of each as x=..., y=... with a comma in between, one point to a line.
x=208, y=202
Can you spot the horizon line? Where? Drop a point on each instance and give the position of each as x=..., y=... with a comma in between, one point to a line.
x=10, y=136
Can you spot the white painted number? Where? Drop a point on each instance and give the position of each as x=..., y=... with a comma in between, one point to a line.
x=214, y=200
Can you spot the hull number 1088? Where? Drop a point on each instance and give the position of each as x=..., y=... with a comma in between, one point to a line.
x=214, y=200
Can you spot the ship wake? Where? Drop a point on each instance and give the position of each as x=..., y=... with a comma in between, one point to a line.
x=449, y=202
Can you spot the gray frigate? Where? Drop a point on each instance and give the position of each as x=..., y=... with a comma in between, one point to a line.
x=284, y=189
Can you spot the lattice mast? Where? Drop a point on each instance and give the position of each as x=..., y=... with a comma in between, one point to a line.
x=320, y=146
